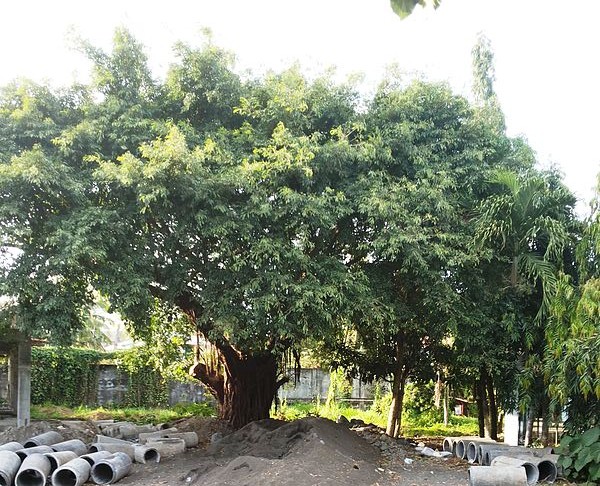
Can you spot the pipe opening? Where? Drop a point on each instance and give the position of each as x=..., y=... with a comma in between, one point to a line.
x=472, y=452
x=29, y=444
x=487, y=460
x=447, y=445
x=547, y=471
x=64, y=477
x=93, y=448
x=4, y=480
x=103, y=473
x=22, y=455
x=460, y=449
x=151, y=455
x=88, y=459
x=532, y=472
x=30, y=477
x=53, y=463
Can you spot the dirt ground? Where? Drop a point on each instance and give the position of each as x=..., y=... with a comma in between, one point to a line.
x=306, y=452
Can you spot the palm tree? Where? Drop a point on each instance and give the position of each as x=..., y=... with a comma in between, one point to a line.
x=528, y=223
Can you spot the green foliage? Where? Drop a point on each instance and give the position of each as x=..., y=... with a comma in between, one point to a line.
x=146, y=387
x=66, y=376
x=339, y=387
x=403, y=8
x=69, y=376
x=136, y=415
x=425, y=426
x=266, y=213
x=580, y=456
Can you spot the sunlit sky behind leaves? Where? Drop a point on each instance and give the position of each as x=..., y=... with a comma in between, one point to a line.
x=546, y=52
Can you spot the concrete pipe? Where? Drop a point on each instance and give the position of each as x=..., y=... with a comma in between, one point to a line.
x=167, y=447
x=190, y=438
x=74, y=473
x=74, y=445
x=105, y=439
x=491, y=454
x=93, y=457
x=497, y=448
x=11, y=446
x=124, y=448
x=447, y=445
x=23, y=453
x=146, y=436
x=108, y=471
x=10, y=463
x=57, y=459
x=113, y=430
x=531, y=469
x=128, y=431
x=543, y=452
x=452, y=442
x=47, y=438
x=546, y=467
x=553, y=458
x=460, y=446
x=144, y=454
x=473, y=452
x=547, y=470
x=34, y=471
x=496, y=476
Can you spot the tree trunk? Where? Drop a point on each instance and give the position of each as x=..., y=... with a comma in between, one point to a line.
x=244, y=386
x=530, y=417
x=546, y=419
x=479, y=398
x=445, y=401
x=493, y=408
x=394, y=424
x=483, y=405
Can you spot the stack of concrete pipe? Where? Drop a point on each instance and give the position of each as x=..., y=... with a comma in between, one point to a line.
x=503, y=464
x=65, y=462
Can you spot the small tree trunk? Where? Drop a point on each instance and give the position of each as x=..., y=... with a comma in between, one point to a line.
x=394, y=425
x=483, y=404
x=395, y=407
x=446, y=405
x=546, y=419
x=493, y=408
x=480, y=408
x=529, y=427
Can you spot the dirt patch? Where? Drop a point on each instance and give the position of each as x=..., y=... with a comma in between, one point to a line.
x=69, y=429
x=306, y=452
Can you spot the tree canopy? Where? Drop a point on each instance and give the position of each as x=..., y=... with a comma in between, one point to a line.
x=268, y=212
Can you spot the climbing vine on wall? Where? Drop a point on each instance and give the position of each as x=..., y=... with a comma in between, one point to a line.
x=65, y=376
x=69, y=376
x=147, y=387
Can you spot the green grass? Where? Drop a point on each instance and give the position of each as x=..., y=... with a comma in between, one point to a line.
x=421, y=426
x=135, y=415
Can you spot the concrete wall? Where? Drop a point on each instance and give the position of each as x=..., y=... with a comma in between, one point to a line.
x=112, y=387
x=314, y=383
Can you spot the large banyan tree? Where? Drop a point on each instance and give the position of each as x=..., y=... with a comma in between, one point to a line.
x=266, y=211
x=200, y=193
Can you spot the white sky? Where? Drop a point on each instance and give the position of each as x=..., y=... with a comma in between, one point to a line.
x=546, y=51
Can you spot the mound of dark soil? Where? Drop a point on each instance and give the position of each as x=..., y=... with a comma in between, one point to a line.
x=270, y=452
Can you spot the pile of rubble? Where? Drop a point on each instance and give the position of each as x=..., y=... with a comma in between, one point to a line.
x=71, y=462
